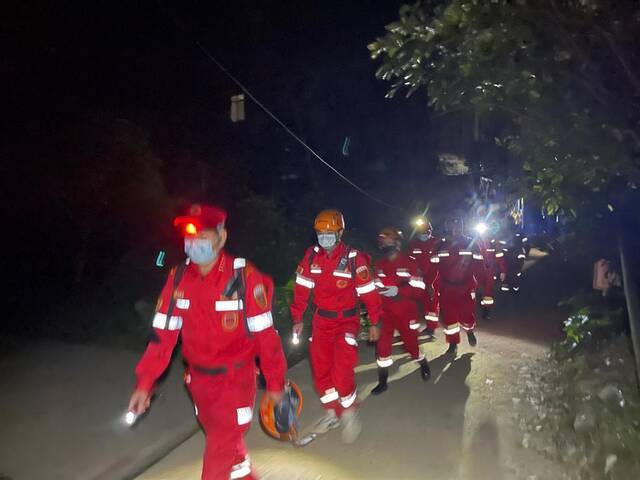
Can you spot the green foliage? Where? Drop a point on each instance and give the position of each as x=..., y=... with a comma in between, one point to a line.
x=591, y=318
x=555, y=80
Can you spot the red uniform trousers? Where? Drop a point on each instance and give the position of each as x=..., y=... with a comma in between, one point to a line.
x=457, y=306
x=397, y=315
x=432, y=306
x=224, y=407
x=333, y=352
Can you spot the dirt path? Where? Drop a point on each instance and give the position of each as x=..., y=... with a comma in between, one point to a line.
x=461, y=425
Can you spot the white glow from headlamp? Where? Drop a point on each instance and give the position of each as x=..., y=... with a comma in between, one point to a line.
x=481, y=228
x=295, y=339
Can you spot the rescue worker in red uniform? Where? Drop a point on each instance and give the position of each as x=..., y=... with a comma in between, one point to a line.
x=339, y=277
x=401, y=287
x=421, y=248
x=221, y=307
x=496, y=268
x=460, y=266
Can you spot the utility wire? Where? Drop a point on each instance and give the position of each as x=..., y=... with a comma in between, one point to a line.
x=246, y=91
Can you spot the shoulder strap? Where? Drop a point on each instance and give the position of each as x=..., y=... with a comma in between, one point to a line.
x=177, y=277
x=312, y=256
x=238, y=284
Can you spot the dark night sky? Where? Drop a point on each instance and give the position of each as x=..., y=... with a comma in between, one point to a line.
x=307, y=61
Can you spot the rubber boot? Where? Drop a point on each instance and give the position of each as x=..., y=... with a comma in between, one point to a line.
x=452, y=350
x=425, y=371
x=486, y=313
x=473, y=341
x=383, y=375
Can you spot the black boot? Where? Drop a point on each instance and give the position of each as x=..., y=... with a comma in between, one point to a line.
x=383, y=375
x=452, y=350
x=473, y=341
x=486, y=313
x=425, y=371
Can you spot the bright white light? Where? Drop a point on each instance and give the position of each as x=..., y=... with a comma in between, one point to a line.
x=130, y=418
x=295, y=339
x=481, y=228
x=419, y=222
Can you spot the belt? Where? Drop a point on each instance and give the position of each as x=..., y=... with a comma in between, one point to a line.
x=216, y=370
x=333, y=314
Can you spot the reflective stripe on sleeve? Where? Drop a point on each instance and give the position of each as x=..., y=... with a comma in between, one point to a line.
x=417, y=282
x=305, y=282
x=477, y=256
x=260, y=322
x=499, y=254
x=443, y=254
x=413, y=325
x=434, y=260
x=366, y=288
x=403, y=272
x=522, y=255
x=160, y=321
x=465, y=252
x=433, y=316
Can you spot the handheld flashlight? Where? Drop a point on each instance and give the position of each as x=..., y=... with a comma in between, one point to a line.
x=130, y=418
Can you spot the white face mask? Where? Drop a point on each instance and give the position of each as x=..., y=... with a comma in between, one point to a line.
x=327, y=240
x=423, y=237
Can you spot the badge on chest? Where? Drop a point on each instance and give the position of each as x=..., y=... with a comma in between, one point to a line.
x=230, y=309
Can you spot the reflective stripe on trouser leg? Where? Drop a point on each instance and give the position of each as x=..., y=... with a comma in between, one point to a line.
x=241, y=469
x=468, y=315
x=344, y=361
x=348, y=400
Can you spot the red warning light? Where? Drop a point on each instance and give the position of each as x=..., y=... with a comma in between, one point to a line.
x=190, y=229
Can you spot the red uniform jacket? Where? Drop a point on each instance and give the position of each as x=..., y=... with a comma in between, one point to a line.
x=216, y=331
x=494, y=257
x=458, y=262
x=422, y=252
x=337, y=280
x=401, y=272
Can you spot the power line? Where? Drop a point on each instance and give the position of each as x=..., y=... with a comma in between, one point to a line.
x=246, y=91
x=287, y=129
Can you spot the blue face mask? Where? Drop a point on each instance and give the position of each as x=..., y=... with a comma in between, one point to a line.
x=424, y=237
x=327, y=240
x=199, y=250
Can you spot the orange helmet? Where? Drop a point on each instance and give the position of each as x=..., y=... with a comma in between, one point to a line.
x=329, y=221
x=280, y=420
x=392, y=233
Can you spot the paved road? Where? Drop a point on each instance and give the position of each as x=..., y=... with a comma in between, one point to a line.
x=459, y=426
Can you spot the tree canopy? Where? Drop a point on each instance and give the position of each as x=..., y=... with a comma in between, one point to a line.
x=555, y=82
